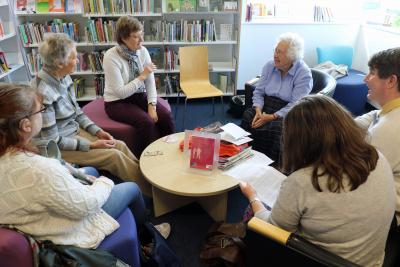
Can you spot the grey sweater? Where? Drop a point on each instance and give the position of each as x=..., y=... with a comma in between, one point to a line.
x=352, y=224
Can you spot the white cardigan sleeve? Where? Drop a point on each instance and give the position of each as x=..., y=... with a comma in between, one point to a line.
x=64, y=195
x=113, y=65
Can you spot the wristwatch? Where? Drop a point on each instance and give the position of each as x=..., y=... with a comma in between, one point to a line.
x=153, y=103
x=254, y=199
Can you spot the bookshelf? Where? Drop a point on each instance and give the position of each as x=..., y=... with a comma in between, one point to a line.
x=12, y=65
x=223, y=54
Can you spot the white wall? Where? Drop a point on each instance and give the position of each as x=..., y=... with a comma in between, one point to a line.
x=258, y=40
x=372, y=39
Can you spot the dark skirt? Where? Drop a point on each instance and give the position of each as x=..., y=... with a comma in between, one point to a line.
x=267, y=138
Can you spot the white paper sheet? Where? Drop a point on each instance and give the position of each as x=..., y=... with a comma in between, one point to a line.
x=228, y=138
x=265, y=179
x=235, y=131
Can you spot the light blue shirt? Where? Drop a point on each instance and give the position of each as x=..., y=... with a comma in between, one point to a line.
x=296, y=84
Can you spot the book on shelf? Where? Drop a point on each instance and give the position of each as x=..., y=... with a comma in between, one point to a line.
x=170, y=58
x=153, y=30
x=223, y=82
x=216, y=5
x=167, y=84
x=4, y=67
x=187, y=5
x=99, y=85
x=173, y=6
x=156, y=56
x=42, y=6
x=203, y=5
x=20, y=5
x=56, y=6
x=2, y=32
x=33, y=33
x=79, y=87
x=225, y=32
x=230, y=5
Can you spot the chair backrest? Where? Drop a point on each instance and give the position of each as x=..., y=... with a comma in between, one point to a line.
x=299, y=245
x=193, y=63
x=338, y=54
x=323, y=83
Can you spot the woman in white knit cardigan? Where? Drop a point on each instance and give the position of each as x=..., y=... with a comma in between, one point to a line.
x=39, y=196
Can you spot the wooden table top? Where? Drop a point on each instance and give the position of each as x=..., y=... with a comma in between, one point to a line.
x=170, y=171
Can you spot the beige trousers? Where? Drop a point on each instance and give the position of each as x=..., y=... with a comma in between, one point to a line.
x=119, y=161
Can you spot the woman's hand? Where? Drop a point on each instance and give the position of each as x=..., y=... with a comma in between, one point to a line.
x=147, y=69
x=104, y=135
x=260, y=120
x=102, y=144
x=247, y=190
x=152, y=113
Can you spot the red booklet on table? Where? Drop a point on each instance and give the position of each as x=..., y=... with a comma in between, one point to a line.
x=202, y=153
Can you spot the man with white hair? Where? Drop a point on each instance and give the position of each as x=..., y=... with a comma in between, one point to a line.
x=284, y=80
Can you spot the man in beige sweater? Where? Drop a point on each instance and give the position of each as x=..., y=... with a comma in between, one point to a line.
x=383, y=125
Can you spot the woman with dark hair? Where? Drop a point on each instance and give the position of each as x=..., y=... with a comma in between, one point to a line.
x=130, y=92
x=39, y=196
x=340, y=194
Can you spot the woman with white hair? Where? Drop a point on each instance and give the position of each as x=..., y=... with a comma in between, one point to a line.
x=284, y=80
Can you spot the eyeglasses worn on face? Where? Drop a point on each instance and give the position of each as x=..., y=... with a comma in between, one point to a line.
x=41, y=110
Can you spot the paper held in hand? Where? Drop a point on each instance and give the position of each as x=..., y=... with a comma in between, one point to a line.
x=235, y=134
x=265, y=179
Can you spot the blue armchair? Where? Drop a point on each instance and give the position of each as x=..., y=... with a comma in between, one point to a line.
x=351, y=91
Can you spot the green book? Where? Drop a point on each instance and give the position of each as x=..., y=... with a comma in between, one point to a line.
x=173, y=6
x=42, y=6
x=188, y=5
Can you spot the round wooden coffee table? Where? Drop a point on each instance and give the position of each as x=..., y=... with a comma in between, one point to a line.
x=173, y=186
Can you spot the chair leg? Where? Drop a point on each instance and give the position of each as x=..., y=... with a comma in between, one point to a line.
x=222, y=103
x=177, y=103
x=213, y=106
x=184, y=115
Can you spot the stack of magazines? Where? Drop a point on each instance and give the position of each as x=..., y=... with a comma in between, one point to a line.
x=230, y=154
x=226, y=162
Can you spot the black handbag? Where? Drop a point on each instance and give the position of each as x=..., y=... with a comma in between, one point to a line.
x=161, y=254
x=52, y=255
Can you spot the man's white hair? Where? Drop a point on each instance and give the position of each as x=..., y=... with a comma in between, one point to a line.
x=296, y=45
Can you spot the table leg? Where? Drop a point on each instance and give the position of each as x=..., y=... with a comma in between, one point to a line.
x=165, y=202
x=216, y=206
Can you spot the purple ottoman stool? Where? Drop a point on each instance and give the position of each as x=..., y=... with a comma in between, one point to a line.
x=15, y=249
x=121, y=131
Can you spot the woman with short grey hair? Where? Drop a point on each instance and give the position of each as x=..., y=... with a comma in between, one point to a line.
x=56, y=50
x=80, y=140
x=130, y=92
x=284, y=80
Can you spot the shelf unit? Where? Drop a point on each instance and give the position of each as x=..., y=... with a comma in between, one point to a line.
x=11, y=46
x=223, y=55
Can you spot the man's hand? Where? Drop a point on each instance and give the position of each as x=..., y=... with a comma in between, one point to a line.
x=257, y=116
x=104, y=135
x=152, y=113
x=247, y=190
x=147, y=69
x=102, y=144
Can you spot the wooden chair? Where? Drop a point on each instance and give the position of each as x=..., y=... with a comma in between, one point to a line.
x=194, y=76
x=286, y=248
